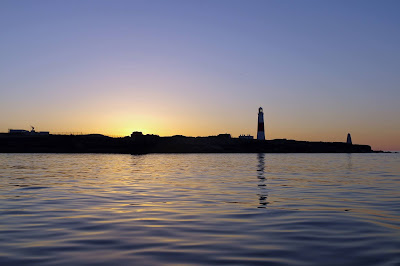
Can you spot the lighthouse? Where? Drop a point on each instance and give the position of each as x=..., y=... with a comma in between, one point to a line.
x=260, y=128
x=349, y=139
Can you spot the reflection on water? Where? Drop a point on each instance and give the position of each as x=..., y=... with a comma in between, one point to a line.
x=200, y=209
x=261, y=180
x=349, y=163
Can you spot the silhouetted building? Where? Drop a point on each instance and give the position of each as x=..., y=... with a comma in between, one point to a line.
x=26, y=132
x=260, y=128
x=138, y=136
x=224, y=136
x=179, y=136
x=349, y=139
x=18, y=131
x=136, y=133
x=246, y=137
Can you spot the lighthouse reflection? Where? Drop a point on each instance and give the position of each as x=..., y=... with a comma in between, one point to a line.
x=262, y=187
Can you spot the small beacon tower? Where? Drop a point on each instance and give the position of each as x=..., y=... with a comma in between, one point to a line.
x=260, y=128
x=349, y=139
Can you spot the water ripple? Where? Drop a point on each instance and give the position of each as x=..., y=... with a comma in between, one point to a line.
x=200, y=209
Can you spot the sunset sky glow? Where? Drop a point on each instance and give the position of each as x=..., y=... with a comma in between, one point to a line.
x=319, y=69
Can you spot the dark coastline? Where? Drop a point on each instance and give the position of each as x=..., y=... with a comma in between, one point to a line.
x=144, y=144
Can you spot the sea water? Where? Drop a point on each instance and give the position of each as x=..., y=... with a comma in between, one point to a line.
x=200, y=209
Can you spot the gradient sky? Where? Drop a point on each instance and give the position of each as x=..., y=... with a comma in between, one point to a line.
x=320, y=69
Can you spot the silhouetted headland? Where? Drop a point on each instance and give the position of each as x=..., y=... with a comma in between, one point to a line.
x=138, y=143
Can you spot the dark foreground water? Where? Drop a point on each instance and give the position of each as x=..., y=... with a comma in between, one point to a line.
x=233, y=209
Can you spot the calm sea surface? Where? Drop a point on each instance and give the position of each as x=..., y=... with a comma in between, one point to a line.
x=200, y=209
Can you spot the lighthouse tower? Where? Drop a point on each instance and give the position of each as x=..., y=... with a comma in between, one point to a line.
x=349, y=139
x=260, y=128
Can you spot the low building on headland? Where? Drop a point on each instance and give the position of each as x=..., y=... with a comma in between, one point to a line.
x=246, y=137
x=224, y=136
x=28, y=133
x=138, y=136
x=18, y=131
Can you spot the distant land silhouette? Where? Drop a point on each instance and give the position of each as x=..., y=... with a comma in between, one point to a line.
x=137, y=143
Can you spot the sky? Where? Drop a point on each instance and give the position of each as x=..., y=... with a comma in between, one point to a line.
x=319, y=69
